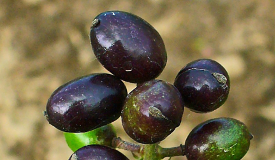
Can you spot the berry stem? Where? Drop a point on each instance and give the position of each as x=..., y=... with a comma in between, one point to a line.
x=121, y=144
x=171, y=152
x=148, y=151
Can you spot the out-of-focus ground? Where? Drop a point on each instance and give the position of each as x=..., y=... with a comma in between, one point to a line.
x=44, y=44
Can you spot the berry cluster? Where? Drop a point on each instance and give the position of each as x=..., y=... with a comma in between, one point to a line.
x=133, y=51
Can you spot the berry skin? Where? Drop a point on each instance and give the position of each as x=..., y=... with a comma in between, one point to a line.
x=128, y=46
x=101, y=136
x=86, y=103
x=97, y=152
x=152, y=111
x=218, y=139
x=204, y=85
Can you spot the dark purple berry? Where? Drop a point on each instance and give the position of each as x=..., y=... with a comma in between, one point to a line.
x=218, y=139
x=128, y=46
x=204, y=85
x=152, y=111
x=86, y=103
x=97, y=152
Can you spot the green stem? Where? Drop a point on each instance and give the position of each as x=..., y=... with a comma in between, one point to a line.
x=151, y=152
x=171, y=152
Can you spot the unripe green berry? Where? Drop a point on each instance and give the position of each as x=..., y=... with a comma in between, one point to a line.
x=101, y=136
x=218, y=139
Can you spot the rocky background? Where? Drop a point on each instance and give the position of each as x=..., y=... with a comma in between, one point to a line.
x=44, y=44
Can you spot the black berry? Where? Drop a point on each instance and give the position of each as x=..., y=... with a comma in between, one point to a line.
x=86, y=103
x=128, y=46
x=204, y=85
x=152, y=111
x=97, y=152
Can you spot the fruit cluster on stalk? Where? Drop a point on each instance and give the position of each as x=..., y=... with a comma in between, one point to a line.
x=133, y=51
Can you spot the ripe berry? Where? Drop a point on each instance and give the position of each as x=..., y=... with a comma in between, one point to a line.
x=152, y=111
x=97, y=152
x=101, y=136
x=218, y=139
x=86, y=103
x=128, y=46
x=204, y=85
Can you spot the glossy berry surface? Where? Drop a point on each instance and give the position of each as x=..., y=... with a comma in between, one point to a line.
x=128, y=46
x=218, y=139
x=204, y=85
x=152, y=111
x=101, y=136
x=97, y=152
x=86, y=103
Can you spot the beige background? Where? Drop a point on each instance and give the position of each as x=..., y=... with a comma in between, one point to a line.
x=44, y=44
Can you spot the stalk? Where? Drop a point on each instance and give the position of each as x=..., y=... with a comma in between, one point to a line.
x=151, y=152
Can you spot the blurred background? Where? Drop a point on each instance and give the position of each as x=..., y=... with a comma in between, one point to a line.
x=44, y=44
